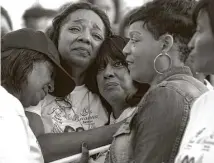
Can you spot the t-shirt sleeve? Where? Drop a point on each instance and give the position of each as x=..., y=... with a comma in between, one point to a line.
x=14, y=141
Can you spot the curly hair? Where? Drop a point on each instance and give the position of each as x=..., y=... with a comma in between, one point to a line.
x=169, y=16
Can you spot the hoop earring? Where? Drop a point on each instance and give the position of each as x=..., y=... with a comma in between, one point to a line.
x=159, y=55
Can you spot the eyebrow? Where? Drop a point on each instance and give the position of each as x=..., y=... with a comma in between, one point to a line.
x=134, y=32
x=95, y=26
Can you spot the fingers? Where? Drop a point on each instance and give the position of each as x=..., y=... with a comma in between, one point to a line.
x=85, y=154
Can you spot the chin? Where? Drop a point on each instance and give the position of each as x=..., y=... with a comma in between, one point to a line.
x=135, y=77
x=34, y=103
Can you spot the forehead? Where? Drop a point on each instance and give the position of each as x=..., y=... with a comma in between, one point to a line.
x=43, y=65
x=87, y=16
x=136, y=27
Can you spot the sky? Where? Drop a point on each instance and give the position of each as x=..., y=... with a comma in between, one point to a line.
x=16, y=8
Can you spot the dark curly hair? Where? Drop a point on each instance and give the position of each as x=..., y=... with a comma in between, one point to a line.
x=169, y=16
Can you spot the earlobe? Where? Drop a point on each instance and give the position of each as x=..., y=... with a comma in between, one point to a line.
x=168, y=42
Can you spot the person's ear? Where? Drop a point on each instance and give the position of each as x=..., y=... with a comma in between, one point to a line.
x=167, y=42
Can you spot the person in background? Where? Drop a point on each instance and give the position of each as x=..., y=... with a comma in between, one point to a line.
x=6, y=23
x=197, y=143
x=200, y=76
x=77, y=32
x=111, y=8
x=124, y=25
x=156, y=53
x=115, y=84
x=38, y=18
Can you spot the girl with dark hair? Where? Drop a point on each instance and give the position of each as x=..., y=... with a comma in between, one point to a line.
x=197, y=144
x=78, y=32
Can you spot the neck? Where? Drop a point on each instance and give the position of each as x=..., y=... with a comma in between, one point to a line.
x=200, y=77
x=118, y=108
x=77, y=74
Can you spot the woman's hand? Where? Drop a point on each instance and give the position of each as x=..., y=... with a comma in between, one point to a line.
x=85, y=154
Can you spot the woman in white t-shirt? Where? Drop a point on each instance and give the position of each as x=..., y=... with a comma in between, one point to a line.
x=198, y=141
x=78, y=32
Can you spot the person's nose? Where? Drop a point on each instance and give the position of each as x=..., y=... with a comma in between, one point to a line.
x=85, y=37
x=127, y=50
x=191, y=44
x=108, y=72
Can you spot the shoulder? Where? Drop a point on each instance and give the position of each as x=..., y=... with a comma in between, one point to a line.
x=161, y=100
x=10, y=104
x=205, y=101
x=160, y=92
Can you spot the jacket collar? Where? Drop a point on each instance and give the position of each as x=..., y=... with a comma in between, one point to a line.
x=173, y=71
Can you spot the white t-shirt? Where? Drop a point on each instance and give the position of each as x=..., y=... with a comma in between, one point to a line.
x=81, y=110
x=197, y=145
x=17, y=141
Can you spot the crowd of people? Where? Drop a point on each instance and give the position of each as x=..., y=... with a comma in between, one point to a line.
x=81, y=78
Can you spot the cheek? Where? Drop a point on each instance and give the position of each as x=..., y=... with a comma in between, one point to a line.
x=99, y=81
x=139, y=54
x=95, y=48
x=125, y=80
x=65, y=40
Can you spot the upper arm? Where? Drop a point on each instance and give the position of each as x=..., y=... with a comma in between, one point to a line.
x=35, y=123
x=157, y=125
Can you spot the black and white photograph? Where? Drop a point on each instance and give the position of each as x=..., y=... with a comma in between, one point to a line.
x=107, y=81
